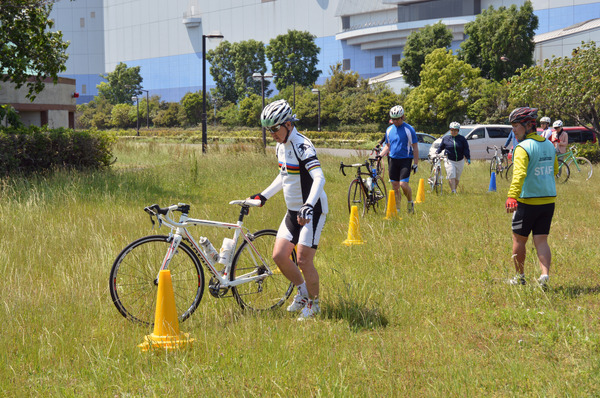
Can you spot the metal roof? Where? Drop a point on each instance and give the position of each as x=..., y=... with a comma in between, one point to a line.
x=569, y=30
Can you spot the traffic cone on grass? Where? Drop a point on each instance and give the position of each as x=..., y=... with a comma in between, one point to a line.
x=353, y=229
x=492, y=187
x=391, y=211
x=166, y=334
x=421, y=191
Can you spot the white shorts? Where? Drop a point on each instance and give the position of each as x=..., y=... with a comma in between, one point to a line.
x=307, y=235
x=454, y=169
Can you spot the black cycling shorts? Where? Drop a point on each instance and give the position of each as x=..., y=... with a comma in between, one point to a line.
x=532, y=218
x=400, y=169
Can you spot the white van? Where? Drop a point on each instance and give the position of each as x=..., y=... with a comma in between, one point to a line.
x=479, y=137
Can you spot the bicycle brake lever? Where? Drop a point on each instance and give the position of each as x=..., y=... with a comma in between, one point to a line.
x=342, y=168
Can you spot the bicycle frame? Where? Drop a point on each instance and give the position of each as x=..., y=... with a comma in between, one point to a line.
x=179, y=231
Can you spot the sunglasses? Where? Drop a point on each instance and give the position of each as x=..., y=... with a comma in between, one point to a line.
x=274, y=129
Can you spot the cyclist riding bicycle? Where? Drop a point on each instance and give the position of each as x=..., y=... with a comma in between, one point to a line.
x=301, y=179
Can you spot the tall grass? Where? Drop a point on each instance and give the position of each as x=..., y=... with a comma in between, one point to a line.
x=421, y=309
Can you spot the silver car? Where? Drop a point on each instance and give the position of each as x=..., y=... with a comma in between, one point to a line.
x=479, y=137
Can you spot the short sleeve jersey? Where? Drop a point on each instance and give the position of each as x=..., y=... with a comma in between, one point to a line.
x=400, y=140
x=296, y=158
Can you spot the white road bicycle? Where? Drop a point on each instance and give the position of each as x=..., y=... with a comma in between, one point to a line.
x=253, y=277
x=436, y=179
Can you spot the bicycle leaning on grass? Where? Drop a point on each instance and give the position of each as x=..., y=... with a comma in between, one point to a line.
x=247, y=269
x=367, y=189
x=436, y=179
x=580, y=168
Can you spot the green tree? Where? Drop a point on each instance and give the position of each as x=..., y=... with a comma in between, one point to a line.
x=96, y=114
x=190, y=111
x=27, y=46
x=167, y=117
x=418, y=45
x=222, y=70
x=294, y=57
x=505, y=32
x=339, y=80
x=249, y=110
x=565, y=87
x=122, y=84
x=489, y=102
x=232, y=66
x=249, y=58
x=120, y=116
x=444, y=93
x=379, y=110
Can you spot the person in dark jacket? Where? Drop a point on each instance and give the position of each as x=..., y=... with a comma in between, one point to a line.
x=457, y=150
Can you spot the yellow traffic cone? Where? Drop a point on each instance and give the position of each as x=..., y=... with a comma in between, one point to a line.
x=391, y=211
x=166, y=332
x=353, y=229
x=421, y=191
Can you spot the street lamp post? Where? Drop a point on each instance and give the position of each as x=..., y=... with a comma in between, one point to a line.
x=147, y=109
x=318, y=92
x=259, y=76
x=204, y=135
x=137, y=101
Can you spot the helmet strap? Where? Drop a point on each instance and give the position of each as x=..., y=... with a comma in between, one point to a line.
x=288, y=132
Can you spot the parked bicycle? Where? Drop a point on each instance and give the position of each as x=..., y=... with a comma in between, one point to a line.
x=580, y=168
x=436, y=179
x=367, y=189
x=380, y=164
x=247, y=269
x=500, y=162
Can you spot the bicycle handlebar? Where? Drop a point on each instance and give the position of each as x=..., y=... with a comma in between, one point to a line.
x=359, y=165
x=157, y=211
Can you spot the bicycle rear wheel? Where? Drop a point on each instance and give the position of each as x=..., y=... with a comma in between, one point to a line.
x=378, y=194
x=357, y=197
x=274, y=289
x=133, y=279
x=563, y=172
x=581, y=169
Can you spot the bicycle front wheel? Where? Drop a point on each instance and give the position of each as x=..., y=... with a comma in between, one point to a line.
x=357, y=197
x=563, y=172
x=265, y=294
x=508, y=172
x=581, y=169
x=438, y=180
x=379, y=194
x=134, y=279
x=494, y=166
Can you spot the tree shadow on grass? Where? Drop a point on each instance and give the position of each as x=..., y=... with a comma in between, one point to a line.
x=359, y=316
x=572, y=292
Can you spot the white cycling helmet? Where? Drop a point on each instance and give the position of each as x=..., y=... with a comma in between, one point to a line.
x=545, y=119
x=455, y=126
x=557, y=123
x=275, y=113
x=396, y=112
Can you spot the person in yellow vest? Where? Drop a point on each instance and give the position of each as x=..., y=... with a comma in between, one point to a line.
x=532, y=193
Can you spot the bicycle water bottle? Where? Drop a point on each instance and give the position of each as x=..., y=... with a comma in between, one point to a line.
x=226, y=250
x=370, y=183
x=209, y=249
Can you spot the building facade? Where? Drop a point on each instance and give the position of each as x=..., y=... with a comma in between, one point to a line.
x=164, y=38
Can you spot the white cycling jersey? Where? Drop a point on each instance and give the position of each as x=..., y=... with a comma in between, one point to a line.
x=300, y=175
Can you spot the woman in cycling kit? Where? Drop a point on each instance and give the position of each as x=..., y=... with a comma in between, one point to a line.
x=301, y=179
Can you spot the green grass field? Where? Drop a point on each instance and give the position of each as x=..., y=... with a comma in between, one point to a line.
x=420, y=310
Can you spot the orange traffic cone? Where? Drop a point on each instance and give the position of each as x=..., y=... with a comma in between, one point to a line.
x=353, y=229
x=421, y=191
x=391, y=211
x=166, y=332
